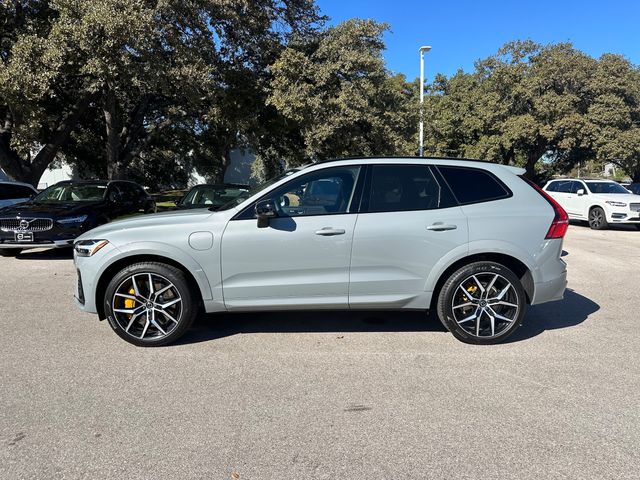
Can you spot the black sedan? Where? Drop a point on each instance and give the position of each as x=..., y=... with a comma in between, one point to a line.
x=57, y=215
x=211, y=196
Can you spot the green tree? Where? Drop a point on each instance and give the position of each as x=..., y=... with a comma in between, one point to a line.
x=614, y=113
x=150, y=68
x=334, y=97
x=526, y=102
x=39, y=105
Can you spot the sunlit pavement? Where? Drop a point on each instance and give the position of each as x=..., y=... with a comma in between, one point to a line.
x=328, y=394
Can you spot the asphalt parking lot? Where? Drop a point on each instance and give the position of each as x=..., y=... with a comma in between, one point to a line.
x=325, y=395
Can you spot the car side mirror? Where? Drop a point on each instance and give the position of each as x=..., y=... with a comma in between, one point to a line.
x=265, y=211
x=177, y=201
x=580, y=192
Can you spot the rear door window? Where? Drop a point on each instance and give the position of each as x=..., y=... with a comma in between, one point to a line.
x=395, y=188
x=564, y=186
x=473, y=185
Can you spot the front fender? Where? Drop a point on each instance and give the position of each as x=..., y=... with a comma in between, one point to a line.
x=160, y=249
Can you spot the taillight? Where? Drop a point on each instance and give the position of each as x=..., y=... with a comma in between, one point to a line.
x=560, y=224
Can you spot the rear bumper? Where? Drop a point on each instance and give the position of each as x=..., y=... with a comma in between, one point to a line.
x=551, y=290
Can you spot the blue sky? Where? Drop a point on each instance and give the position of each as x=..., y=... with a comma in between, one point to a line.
x=461, y=32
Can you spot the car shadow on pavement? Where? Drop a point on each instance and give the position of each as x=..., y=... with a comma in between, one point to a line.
x=568, y=312
x=612, y=226
x=47, y=254
x=219, y=325
x=572, y=310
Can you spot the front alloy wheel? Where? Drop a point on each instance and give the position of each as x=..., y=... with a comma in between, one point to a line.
x=482, y=303
x=597, y=219
x=150, y=304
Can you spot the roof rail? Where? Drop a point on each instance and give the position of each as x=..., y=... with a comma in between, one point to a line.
x=403, y=157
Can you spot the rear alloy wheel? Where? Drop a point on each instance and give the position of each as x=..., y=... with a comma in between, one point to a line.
x=597, y=219
x=482, y=303
x=10, y=252
x=150, y=304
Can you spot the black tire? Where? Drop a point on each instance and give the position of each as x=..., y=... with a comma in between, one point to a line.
x=457, y=285
x=597, y=219
x=10, y=252
x=637, y=226
x=158, y=272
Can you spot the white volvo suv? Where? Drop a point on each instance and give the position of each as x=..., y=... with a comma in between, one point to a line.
x=600, y=202
x=471, y=239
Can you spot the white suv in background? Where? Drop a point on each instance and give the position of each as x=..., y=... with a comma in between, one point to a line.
x=600, y=202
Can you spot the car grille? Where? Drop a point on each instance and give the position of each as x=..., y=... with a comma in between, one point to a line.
x=25, y=224
x=635, y=207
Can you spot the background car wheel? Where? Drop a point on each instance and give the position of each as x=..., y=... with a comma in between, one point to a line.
x=150, y=304
x=638, y=226
x=10, y=252
x=482, y=303
x=597, y=219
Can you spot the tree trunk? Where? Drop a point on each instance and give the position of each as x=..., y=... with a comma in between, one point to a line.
x=112, y=147
x=30, y=170
x=226, y=162
x=532, y=158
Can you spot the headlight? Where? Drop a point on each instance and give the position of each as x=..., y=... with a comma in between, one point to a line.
x=87, y=248
x=78, y=219
x=615, y=204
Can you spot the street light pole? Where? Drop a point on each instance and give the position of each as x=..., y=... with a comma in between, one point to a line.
x=423, y=50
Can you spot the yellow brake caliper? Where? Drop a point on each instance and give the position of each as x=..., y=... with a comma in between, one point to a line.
x=130, y=304
x=471, y=289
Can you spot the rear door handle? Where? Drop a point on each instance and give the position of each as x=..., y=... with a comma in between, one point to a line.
x=328, y=231
x=441, y=227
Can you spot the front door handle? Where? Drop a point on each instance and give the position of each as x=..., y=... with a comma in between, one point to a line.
x=328, y=231
x=441, y=227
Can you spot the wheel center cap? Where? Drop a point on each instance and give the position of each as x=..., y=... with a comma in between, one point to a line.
x=149, y=305
x=483, y=303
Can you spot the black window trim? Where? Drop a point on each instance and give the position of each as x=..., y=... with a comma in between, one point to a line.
x=507, y=190
x=355, y=200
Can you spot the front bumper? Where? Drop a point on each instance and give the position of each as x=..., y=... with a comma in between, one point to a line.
x=59, y=236
x=51, y=244
x=89, y=270
x=623, y=216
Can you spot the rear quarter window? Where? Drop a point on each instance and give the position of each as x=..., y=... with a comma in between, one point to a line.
x=473, y=185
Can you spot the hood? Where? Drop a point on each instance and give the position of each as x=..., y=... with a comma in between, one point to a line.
x=154, y=220
x=619, y=197
x=49, y=210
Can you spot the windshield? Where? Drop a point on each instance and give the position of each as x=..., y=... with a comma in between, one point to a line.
x=257, y=189
x=212, y=195
x=606, y=187
x=69, y=192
